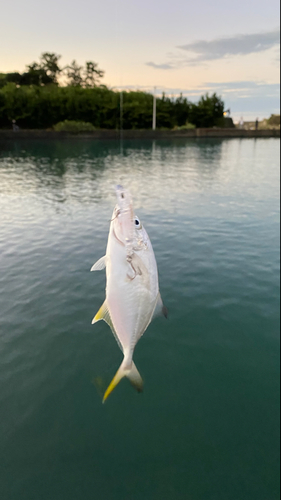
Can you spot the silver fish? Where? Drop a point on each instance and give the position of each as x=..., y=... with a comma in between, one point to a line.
x=132, y=290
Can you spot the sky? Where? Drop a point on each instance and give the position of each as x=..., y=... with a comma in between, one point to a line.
x=176, y=46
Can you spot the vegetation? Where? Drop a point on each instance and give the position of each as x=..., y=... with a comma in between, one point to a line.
x=187, y=126
x=34, y=106
x=73, y=127
x=274, y=121
x=208, y=112
x=35, y=99
x=48, y=71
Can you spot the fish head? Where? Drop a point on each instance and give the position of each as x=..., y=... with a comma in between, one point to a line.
x=125, y=225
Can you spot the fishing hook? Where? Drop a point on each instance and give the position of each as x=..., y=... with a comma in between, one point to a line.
x=137, y=272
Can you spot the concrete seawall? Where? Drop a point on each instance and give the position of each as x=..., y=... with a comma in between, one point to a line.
x=139, y=134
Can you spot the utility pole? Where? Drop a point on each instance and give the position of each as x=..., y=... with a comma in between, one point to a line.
x=154, y=110
x=121, y=115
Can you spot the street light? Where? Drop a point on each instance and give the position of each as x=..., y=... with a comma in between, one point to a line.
x=154, y=110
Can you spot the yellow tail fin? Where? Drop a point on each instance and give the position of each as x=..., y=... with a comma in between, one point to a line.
x=130, y=372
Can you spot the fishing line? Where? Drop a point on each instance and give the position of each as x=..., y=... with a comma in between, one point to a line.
x=117, y=40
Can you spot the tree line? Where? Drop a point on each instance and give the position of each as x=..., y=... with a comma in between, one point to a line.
x=48, y=71
x=37, y=99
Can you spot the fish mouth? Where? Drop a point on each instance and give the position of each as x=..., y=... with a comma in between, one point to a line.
x=124, y=216
x=120, y=191
x=124, y=200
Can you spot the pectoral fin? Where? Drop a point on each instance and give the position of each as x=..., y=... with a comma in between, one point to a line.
x=100, y=264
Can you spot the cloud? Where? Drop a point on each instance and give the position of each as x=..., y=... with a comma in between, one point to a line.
x=246, y=97
x=255, y=87
x=160, y=66
x=203, y=51
x=232, y=46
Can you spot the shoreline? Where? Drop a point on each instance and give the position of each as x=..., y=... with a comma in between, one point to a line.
x=140, y=134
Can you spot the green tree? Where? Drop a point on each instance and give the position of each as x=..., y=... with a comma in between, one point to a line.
x=182, y=111
x=274, y=120
x=74, y=74
x=92, y=74
x=40, y=106
x=137, y=110
x=208, y=112
x=36, y=75
x=49, y=63
x=165, y=112
x=10, y=78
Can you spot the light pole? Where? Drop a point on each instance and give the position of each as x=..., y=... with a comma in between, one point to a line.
x=154, y=110
x=121, y=115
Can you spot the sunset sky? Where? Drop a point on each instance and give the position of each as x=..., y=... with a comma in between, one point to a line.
x=222, y=46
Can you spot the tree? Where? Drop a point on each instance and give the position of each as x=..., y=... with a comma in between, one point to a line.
x=181, y=110
x=10, y=78
x=45, y=72
x=74, y=75
x=92, y=74
x=35, y=75
x=49, y=63
x=25, y=98
x=274, y=120
x=208, y=112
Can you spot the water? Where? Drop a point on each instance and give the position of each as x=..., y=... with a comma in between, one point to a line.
x=207, y=424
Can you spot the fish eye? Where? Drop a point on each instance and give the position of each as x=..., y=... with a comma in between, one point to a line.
x=137, y=223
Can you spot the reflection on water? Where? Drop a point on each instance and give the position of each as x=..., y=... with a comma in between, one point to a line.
x=103, y=161
x=156, y=172
x=207, y=424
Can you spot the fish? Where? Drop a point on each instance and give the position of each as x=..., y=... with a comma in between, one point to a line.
x=132, y=296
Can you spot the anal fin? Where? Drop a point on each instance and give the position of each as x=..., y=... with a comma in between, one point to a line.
x=103, y=313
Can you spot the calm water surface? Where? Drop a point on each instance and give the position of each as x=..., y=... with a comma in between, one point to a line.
x=207, y=425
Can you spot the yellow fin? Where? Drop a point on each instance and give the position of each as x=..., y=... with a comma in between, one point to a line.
x=114, y=382
x=103, y=313
x=131, y=373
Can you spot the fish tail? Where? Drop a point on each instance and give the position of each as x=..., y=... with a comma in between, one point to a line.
x=135, y=378
x=130, y=372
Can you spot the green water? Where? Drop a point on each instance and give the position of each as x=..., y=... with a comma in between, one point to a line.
x=207, y=425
